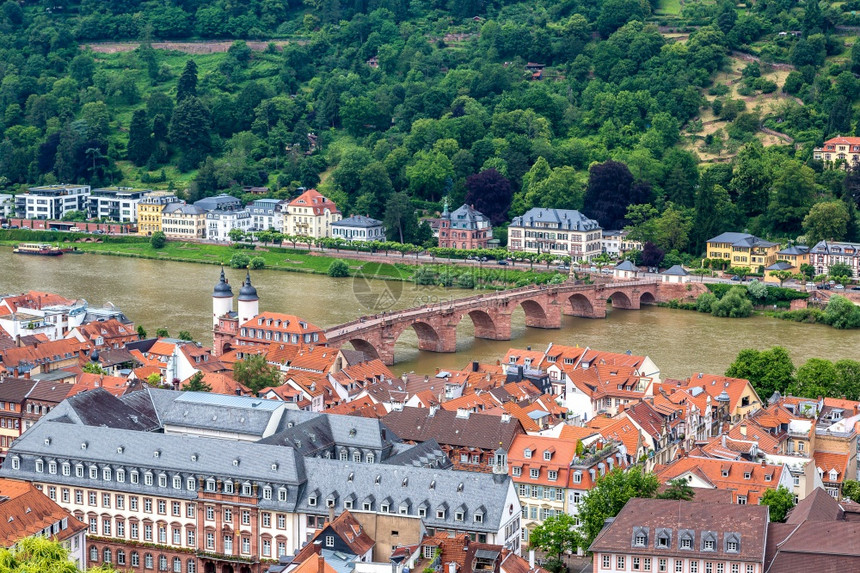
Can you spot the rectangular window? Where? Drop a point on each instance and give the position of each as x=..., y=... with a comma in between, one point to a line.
x=189, y=510
x=636, y=563
x=282, y=521
x=120, y=528
x=147, y=532
x=176, y=508
x=606, y=562
x=134, y=530
x=105, y=500
x=694, y=567
x=267, y=519
x=132, y=502
x=679, y=566
x=646, y=564
x=120, y=501
x=177, y=536
x=619, y=561
x=162, y=507
x=92, y=498
x=106, y=527
x=661, y=564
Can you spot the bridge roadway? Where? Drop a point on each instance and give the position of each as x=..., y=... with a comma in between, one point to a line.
x=436, y=324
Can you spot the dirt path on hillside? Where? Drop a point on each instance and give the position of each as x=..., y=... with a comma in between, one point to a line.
x=185, y=47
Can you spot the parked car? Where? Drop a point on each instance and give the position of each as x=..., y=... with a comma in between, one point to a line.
x=855, y=288
x=810, y=286
x=736, y=278
x=839, y=287
x=563, y=268
x=502, y=262
x=98, y=232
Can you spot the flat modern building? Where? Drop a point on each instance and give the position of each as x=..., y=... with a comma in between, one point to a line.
x=181, y=221
x=115, y=203
x=262, y=213
x=149, y=210
x=7, y=205
x=743, y=250
x=194, y=482
x=465, y=228
x=358, y=229
x=52, y=201
x=561, y=232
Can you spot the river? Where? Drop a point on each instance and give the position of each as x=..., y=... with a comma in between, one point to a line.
x=177, y=296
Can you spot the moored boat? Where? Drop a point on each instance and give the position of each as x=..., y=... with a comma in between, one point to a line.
x=42, y=249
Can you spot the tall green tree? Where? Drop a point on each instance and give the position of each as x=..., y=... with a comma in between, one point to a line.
x=186, y=87
x=255, y=373
x=817, y=377
x=792, y=196
x=190, y=131
x=556, y=535
x=609, y=495
x=140, y=142
x=768, y=371
x=780, y=501
x=827, y=220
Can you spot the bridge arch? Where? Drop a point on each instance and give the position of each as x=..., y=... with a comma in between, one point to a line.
x=581, y=305
x=541, y=315
x=647, y=297
x=620, y=300
x=368, y=349
x=485, y=325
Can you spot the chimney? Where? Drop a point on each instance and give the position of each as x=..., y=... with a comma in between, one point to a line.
x=506, y=417
x=475, y=366
x=27, y=375
x=320, y=564
x=531, y=558
x=520, y=373
x=744, y=430
x=330, y=514
x=763, y=463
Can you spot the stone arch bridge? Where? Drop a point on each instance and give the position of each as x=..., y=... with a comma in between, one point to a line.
x=436, y=324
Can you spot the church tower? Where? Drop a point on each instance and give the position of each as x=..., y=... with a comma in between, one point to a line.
x=249, y=306
x=222, y=299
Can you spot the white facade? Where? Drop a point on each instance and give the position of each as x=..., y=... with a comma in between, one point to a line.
x=358, y=229
x=220, y=223
x=7, y=205
x=52, y=201
x=262, y=213
x=559, y=232
x=118, y=204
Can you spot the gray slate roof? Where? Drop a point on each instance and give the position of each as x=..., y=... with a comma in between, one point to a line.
x=626, y=266
x=779, y=266
x=182, y=208
x=432, y=488
x=237, y=414
x=98, y=407
x=741, y=240
x=794, y=250
x=358, y=221
x=565, y=219
x=467, y=217
x=214, y=457
x=425, y=455
x=836, y=247
x=676, y=270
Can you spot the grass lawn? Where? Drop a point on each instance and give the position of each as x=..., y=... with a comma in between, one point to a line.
x=669, y=7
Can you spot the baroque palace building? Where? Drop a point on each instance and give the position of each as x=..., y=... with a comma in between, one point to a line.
x=190, y=482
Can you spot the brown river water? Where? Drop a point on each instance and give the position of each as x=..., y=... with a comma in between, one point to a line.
x=178, y=296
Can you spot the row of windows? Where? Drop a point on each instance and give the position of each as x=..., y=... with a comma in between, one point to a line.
x=665, y=565
x=540, y=492
x=108, y=474
x=148, y=560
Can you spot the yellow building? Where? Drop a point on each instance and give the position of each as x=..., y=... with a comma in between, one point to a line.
x=311, y=215
x=149, y=212
x=743, y=250
x=788, y=259
x=181, y=221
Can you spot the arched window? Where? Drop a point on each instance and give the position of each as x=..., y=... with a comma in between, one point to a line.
x=192, y=567
x=177, y=565
x=120, y=557
x=162, y=563
x=94, y=554
x=135, y=559
x=147, y=561
x=107, y=555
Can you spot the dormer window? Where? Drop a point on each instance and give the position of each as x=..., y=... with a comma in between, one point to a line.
x=833, y=475
x=527, y=453
x=547, y=455
x=552, y=475
x=384, y=507
x=641, y=540
x=733, y=543
x=534, y=473
x=747, y=475
x=246, y=489
x=210, y=485
x=517, y=471
x=458, y=516
x=664, y=539
x=709, y=541
x=577, y=477
x=312, y=501
x=440, y=514
x=724, y=473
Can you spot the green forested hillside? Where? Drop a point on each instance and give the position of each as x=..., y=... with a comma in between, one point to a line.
x=645, y=115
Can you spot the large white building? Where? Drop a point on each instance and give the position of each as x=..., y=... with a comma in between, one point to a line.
x=52, y=201
x=194, y=482
x=115, y=203
x=219, y=223
x=561, y=232
x=309, y=215
x=262, y=213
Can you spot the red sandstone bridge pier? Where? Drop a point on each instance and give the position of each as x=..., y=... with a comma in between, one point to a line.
x=436, y=324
